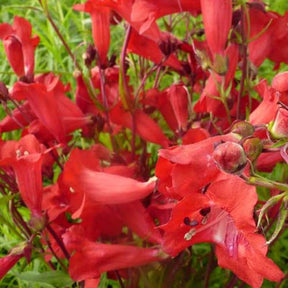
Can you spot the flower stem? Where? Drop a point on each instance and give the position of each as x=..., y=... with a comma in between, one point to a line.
x=244, y=60
x=58, y=240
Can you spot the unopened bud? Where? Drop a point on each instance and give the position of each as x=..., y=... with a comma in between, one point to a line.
x=220, y=64
x=90, y=55
x=243, y=128
x=168, y=46
x=230, y=157
x=4, y=93
x=38, y=222
x=279, y=127
x=253, y=147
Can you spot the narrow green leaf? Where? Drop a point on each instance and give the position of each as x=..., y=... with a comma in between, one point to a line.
x=51, y=279
x=279, y=225
x=271, y=202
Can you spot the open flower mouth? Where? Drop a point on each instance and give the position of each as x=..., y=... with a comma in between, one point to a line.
x=218, y=223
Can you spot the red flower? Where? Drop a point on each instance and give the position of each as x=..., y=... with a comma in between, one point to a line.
x=266, y=110
x=100, y=17
x=279, y=39
x=7, y=262
x=217, y=18
x=224, y=216
x=26, y=157
x=208, y=101
x=93, y=186
x=188, y=168
x=20, y=117
x=160, y=100
x=50, y=105
x=149, y=49
x=146, y=12
x=260, y=47
x=145, y=126
x=279, y=128
x=280, y=82
x=136, y=217
x=19, y=46
x=100, y=258
x=179, y=101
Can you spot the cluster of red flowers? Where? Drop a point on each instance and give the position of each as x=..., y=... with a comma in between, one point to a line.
x=99, y=208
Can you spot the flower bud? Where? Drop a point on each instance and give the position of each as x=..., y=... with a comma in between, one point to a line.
x=168, y=46
x=279, y=128
x=230, y=157
x=38, y=222
x=90, y=55
x=220, y=64
x=243, y=128
x=4, y=93
x=253, y=147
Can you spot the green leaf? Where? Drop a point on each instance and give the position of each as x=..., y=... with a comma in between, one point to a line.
x=55, y=279
x=271, y=202
x=279, y=225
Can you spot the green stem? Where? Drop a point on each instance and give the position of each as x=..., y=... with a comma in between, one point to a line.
x=267, y=183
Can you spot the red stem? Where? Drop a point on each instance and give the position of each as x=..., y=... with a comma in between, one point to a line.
x=58, y=240
x=209, y=268
x=244, y=62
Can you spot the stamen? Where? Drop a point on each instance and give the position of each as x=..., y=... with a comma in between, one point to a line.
x=26, y=153
x=205, y=211
x=72, y=190
x=204, y=220
x=18, y=153
x=188, y=222
x=188, y=236
x=204, y=189
x=218, y=218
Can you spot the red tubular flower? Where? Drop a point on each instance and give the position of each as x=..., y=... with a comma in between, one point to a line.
x=279, y=38
x=207, y=101
x=266, y=110
x=51, y=106
x=19, y=46
x=179, y=102
x=13, y=49
x=267, y=161
x=19, y=118
x=146, y=12
x=149, y=49
x=224, y=216
x=100, y=258
x=217, y=18
x=100, y=17
x=145, y=126
x=93, y=186
x=160, y=100
x=185, y=169
x=25, y=157
x=136, y=217
x=7, y=262
x=260, y=47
